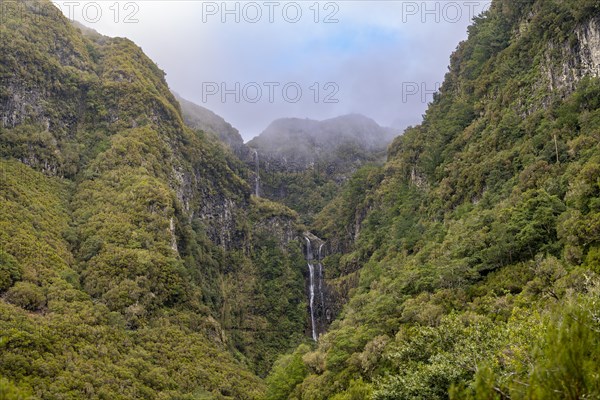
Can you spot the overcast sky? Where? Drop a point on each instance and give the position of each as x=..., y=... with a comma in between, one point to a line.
x=253, y=62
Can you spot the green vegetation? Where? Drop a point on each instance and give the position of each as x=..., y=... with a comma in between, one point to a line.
x=476, y=245
x=306, y=191
x=304, y=163
x=287, y=373
x=57, y=340
x=134, y=262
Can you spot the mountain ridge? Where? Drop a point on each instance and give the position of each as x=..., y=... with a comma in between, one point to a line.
x=303, y=163
x=139, y=260
x=198, y=117
x=296, y=139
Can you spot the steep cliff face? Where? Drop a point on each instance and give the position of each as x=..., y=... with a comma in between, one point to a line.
x=275, y=219
x=73, y=94
x=579, y=57
x=56, y=73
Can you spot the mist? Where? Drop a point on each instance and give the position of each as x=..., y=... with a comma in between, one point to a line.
x=255, y=62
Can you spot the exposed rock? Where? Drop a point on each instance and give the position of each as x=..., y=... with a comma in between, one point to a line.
x=580, y=58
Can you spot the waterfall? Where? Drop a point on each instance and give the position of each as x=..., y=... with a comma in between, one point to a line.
x=309, y=255
x=319, y=312
x=311, y=270
x=321, y=276
x=257, y=173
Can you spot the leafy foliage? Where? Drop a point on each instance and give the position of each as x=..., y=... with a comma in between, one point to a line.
x=476, y=244
x=133, y=263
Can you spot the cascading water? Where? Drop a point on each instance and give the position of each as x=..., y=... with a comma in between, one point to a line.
x=257, y=173
x=319, y=312
x=311, y=270
x=321, y=276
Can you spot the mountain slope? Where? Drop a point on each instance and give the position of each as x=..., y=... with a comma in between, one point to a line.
x=302, y=162
x=472, y=254
x=306, y=141
x=134, y=262
x=57, y=339
x=198, y=117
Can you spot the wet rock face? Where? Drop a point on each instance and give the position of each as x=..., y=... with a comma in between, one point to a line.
x=19, y=104
x=282, y=228
x=217, y=212
x=321, y=298
x=580, y=58
x=219, y=220
x=589, y=54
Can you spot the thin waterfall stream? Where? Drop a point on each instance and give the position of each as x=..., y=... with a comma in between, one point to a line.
x=321, y=275
x=311, y=270
x=316, y=286
x=257, y=173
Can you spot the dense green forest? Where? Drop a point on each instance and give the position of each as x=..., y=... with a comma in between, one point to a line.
x=476, y=268
x=135, y=263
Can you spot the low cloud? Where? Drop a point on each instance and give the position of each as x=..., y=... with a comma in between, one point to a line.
x=309, y=59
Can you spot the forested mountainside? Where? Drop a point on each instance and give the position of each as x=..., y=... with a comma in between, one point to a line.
x=134, y=262
x=200, y=118
x=302, y=163
x=472, y=255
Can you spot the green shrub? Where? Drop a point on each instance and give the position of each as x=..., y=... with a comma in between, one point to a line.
x=26, y=295
x=286, y=374
x=8, y=391
x=10, y=271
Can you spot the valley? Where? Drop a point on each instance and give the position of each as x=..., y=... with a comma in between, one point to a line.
x=147, y=251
